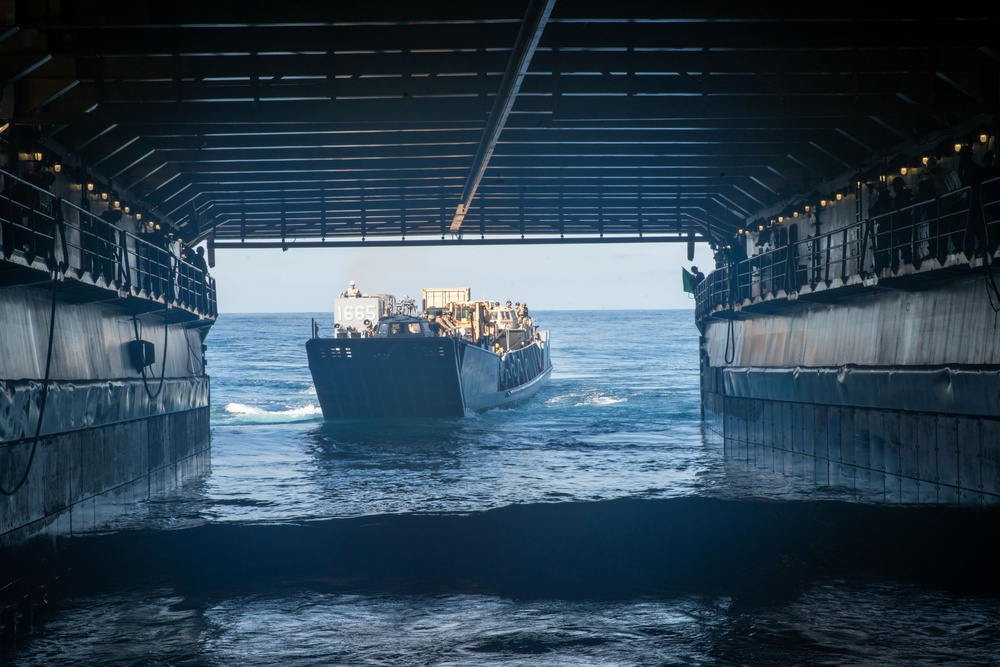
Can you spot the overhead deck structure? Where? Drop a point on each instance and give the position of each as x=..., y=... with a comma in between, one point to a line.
x=299, y=123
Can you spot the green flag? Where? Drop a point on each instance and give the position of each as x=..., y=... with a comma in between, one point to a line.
x=688, y=279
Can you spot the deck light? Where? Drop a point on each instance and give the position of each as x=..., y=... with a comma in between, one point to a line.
x=781, y=219
x=90, y=187
x=983, y=138
x=839, y=196
x=57, y=167
x=808, y=208
x=958, y=147
x=902, y=171
x=822, y=202
x=924, y=160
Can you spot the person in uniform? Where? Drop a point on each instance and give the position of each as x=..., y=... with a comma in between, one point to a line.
x=352, y=291
x=198, y=260
x=901, y=225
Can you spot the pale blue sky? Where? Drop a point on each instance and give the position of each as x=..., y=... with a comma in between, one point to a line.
x=548, y=277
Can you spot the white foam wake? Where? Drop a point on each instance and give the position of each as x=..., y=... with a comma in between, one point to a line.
x=580, y=400
x=248, y=413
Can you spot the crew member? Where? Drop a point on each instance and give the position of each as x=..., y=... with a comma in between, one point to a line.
x=352, y=291
x=902, y=224
x=698, y=275
x=198, y=259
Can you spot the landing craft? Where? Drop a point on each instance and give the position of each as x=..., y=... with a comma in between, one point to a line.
x=458, y=357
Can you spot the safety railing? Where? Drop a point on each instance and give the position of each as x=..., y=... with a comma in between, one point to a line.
x=45, y=233
x=965, y=222
x=990, y=202
x=931, y=229
x=712, y=293
x=27, y=223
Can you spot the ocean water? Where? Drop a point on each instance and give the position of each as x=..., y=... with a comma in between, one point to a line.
x=597, y=524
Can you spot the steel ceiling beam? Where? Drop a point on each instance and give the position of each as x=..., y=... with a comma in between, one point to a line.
x=524, y=48
x=398, y=243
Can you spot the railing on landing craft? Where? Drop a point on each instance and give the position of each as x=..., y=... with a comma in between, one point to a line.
x=44, y=233
x=963, y=224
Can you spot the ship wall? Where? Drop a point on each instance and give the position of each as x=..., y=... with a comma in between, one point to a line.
x=886, y=327
x=109, y=436
x=891, y=394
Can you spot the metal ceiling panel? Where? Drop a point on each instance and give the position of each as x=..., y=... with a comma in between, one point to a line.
x=310, y=122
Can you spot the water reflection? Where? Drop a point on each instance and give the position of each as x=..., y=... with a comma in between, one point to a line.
x=828, y=624
x=623, y=581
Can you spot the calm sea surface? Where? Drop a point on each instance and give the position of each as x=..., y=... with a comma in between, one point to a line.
x=598, y=524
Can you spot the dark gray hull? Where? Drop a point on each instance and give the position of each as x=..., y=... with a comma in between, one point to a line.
x=364, y=378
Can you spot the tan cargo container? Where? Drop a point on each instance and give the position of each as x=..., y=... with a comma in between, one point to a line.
x=440, y=297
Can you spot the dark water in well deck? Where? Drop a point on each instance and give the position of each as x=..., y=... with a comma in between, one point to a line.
x=596, y=525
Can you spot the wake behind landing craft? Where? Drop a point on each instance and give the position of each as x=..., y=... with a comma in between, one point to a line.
x=456, y=357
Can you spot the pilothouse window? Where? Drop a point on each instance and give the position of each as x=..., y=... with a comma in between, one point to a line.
x=401, y=328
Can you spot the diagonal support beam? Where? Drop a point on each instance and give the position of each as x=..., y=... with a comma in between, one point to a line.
x=524, y=48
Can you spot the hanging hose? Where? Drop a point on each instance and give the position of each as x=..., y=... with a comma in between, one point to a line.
x=732, y=276
x=163, y=361
x=41, y=405
x=166, y=339
x=730, y=342
x=992, y=289
x=192, y=354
